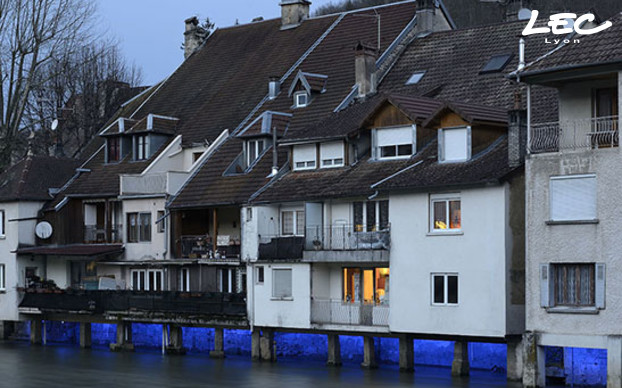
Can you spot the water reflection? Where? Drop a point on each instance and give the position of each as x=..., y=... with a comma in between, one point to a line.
x=53, y=366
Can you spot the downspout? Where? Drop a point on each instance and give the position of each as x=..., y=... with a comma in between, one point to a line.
x=528, y=119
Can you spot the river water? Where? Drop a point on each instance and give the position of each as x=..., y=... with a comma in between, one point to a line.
x=22, y=365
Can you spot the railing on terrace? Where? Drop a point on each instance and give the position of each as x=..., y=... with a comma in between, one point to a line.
x=346, y=237
x=99, y=302
x=281, y=247
x=338, y=312
x=599, y=132
x=96, y=235
x=201, y=247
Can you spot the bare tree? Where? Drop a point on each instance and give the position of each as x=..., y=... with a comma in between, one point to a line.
x=348, y=5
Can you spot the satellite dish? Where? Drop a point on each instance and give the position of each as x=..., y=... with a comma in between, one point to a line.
x=44, y=230
x=54, y=124
x=524, y=14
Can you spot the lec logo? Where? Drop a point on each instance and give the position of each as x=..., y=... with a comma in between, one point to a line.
x=559, y=24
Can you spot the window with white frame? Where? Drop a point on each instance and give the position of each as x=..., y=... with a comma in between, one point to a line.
x=305, y=157
x=2, y=224
x=282, y=283
x=301, y=99
x=139, y=227
x=332, y=154
x=572, y=285
x=227, y=280
x=184, y=279
x=394, y=143
x=445, y=213
x=292, y=222
x=147, y=280
x=454, y=144
x=161, y=221
x=253, y=150
x=573, y=198
x=142, y=147
x=370, y=216
x=2, y=277
x=444, y=289
x=259, y=276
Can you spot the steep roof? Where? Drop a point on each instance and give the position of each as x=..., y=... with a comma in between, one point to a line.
x=31, y=178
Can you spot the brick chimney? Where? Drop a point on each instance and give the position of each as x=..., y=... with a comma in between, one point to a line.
x=517, y=133
x=293, y=12
x=365, y=69
x=193, y=36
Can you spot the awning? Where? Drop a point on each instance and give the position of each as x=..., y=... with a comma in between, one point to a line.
x=88, y=250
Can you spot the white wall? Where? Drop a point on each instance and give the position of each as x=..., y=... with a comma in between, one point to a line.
x=478, y=256
x=155, y=249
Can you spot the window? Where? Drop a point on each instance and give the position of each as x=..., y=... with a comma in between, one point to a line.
x=332, y=154
x=260, y=275
x=454, y=144
x=301, y=99
x=281, y=283
x=161, y=221
x=184, y=280
x=392, y=143
x=114, y=149
x=142, y=147
x=138, y=280
x=370, y=216
x=227, y=280
x=139, y=227
x=2, y=224
x=147, y=280
x=605, y=102
x=496, y=63
x=293, y=222
x=444, y=289
x=573, y=198
x=572, y=285
x=2, y=278
x=305, y=157
x=368, y=285
x=446, y=213
x=415, y=78
x=253, y=150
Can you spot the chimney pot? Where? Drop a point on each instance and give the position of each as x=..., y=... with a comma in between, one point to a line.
x=293, y=12
x=365, y=69
x=274, y=87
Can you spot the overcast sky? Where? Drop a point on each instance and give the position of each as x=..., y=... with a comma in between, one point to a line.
x=151, y=31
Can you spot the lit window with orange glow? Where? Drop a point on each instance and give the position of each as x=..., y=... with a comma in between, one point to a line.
x=445, y=214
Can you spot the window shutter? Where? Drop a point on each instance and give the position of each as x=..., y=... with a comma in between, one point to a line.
x=600, y=285
x=393, y=136
x=545, y=295
x=304, y=153
x=456, y=144
x=282, y=279
x=374, y=144
x=573, y=198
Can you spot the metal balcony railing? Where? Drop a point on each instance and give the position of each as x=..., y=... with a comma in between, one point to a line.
x=347, y=238
x=599, y=132
x=201, y=247
x=338, y=312
x=96, y=235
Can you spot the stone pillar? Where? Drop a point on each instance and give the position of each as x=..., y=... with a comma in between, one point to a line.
x=219, y=344
x=334, y=350
x=534, y=371
x=267, y=345
x=515, y=359
x=460, y=365
x=614, y=361
x=7, y=328
x=407, y=353
x=256, y=345
x=369, y=353
x=85, y=335
x=176, y=341
x=124, y=338
x=35, y=332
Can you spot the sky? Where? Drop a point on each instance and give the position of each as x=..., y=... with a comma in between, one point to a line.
x=150, y=32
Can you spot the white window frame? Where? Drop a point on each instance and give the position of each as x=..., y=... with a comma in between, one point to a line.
x=282, y=297
x=2, y=277
x=296, y=220
x=155, y=272
x=330, y=161
x=139, y=227
x=260, y=269
x=142, y=285
x=160, y=226
x=254, y=145
x=445, y=276
x=554, y=179
x=231, y=277
x=2, y=224
x=146, y=286
x=297, y=102
x=377, y=212
x=376, y=147
x=442, y=147
x=142, y=147
x=307, y=164
x=445, y=198
x=184, y=277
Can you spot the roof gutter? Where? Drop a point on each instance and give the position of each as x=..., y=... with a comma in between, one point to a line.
x=375, y=185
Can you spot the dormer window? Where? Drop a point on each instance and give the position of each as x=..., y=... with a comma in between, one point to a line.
x=142, y=147
x=301, y=99
x=305, y=157
x=114, y=149
x=332, y=154
x=454, y=144
x=254, y=148
x=394, y=143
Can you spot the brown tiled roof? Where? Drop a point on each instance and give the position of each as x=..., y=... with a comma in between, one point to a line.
x=31, y=178
x=602, y=48
x=74, y=250
x=264, y=124
x=471, y=113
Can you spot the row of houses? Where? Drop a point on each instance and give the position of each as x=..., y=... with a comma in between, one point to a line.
x=375, y=172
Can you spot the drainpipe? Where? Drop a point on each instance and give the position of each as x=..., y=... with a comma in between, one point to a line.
x=528, y=119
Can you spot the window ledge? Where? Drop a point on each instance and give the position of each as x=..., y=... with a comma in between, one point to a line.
x=573, y=222
x=3, y=237
x=456, y=233
x=284, y=299
x=572, y=310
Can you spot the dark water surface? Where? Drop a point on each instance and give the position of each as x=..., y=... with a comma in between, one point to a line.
x=22, y=365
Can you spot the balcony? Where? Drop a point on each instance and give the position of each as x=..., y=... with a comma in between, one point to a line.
x=157, y=183
x=337, y=312
x=205, y=305
x=281, y=247
x=97, y=235
x=202, y=247
x=342, y=243
x=599, y=132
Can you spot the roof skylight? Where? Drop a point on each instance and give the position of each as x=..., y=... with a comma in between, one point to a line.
x=415, y=78
x=496, y=63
